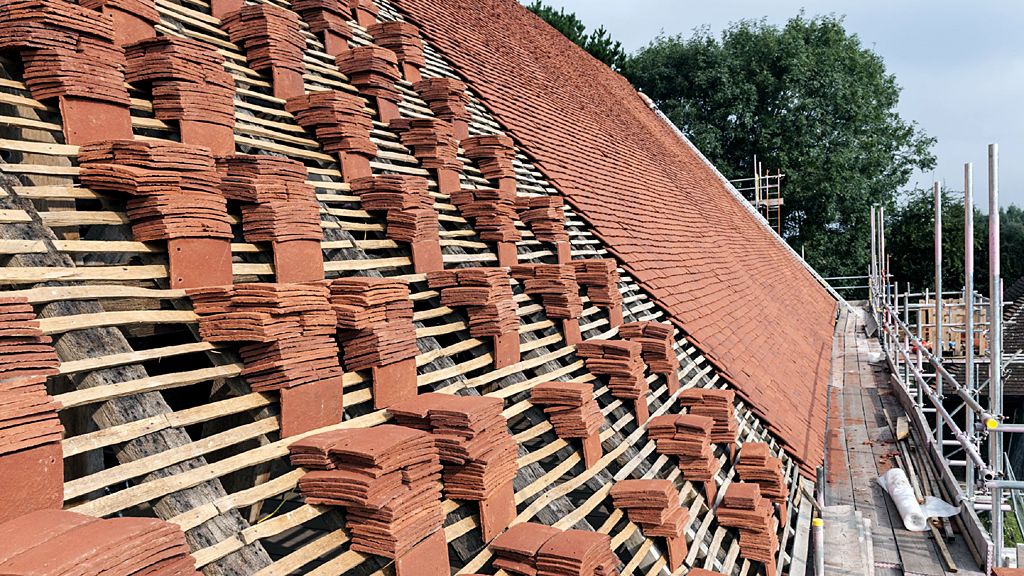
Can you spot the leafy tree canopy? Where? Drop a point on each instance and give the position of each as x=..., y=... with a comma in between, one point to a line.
x=598, y=43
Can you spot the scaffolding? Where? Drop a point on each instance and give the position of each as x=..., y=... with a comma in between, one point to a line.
x=962, y=416
x=764, y=191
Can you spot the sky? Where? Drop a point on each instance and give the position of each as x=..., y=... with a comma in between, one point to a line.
x=961, y=66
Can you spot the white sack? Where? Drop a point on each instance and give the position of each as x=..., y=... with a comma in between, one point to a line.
x=915, y=515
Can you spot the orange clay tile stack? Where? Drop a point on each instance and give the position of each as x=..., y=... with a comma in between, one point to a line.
x=31, y=462
x=620, y=361
x=374, y=71
x=68, y=52
x=174, y=196
x=364, y=11
x=716, y=404
x=601, y=279
x=702, y=572
x=278, y=207
x=487, y=296
x=545, y=217
x=658, y=354
x=62, y=542
x=134, y=20
x=531, y=549
x=745, y=509
x=654, y=505
x=757, y=465
x=341, y=124
x=688, y=438
x=573, y=413
x=272, y=40
x=402, y=38
x=410, y=214
x=493, y=212
x=189, y=86
x=494, y=153
x=376, y=332
x=448, y=100
x=289, y=347
x=387, y=478
x=560, y=294
x=329, y=20
x=477, y=451
x=433, y=143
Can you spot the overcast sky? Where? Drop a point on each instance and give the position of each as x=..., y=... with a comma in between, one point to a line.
x=961, y=67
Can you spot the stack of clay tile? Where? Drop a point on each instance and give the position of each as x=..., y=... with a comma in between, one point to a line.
x=403, y=39
x=539, y=550
x=486, y=294
x=188, y=79
x=757, y=465
x=290, y=327
x=174, y=187
x=371, y=69
x=279, y=204
x=365, y=11
x=656, y=340
x=745, y=509
x=570, y=407
x=58, y=542
x=472, y=437
x=446, y=97
x=432, y=141
x=28, y=416
x=544, y=216
x=601, y=278
x=374, y=321
x=410, y=212
x=620, y=360
x=325, y=16
x=716, y=404
x=688, y=438
x=144, y=10
x=387, y=477
x=555, y=284
x=271, y=37
x=339, y=120
x=67, y=49
x=493, y=153
x=654, y=506
x=493, y=212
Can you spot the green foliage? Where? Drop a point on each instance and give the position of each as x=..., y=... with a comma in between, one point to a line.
x=806, y=98
x=598, y=43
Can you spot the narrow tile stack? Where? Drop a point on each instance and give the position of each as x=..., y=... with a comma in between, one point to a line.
x=433, y=143
x=621, y=362
x=402, y=38
x=410, y=214
x=62, y=542
x=288, y=329
x=757, y=465
x=601, y=279
x=654, y=506
x=329, y=19
x=494, y=154
x=376, y=332
x=134, y=20
x=560, y=294
x=364, y=11
x=745, y=509
x=272, y=39
x=174, y=187
x=716, y=404
x=189, y=85
x=487, y=295
x=573, y=413
x=539, y=550
x=545, y=217
x=688, y=438
x=341, y=124
x=658, y=354
x=374, y=71
x=448, y=100
x=30, y=431
x=388, y=479
x=477, y=451
x=493, y=212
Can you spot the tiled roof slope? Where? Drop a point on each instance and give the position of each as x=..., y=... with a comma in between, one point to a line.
x=742, y=297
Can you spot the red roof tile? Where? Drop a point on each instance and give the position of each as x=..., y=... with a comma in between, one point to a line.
x=741, y=296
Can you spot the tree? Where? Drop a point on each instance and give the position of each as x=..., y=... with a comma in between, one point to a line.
x=806, y=98
x=598, y=43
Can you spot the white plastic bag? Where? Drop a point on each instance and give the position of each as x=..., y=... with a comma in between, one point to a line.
x=915, y=515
